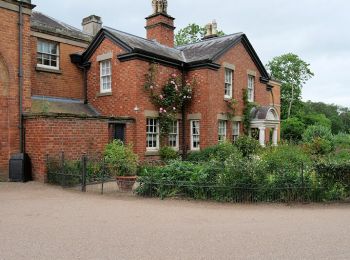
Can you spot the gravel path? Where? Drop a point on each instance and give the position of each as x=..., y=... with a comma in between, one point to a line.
x=43, y=222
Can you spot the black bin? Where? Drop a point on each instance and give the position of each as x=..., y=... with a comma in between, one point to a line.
x=20, y=168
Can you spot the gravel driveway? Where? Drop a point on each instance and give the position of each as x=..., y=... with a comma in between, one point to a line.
x=38, y=221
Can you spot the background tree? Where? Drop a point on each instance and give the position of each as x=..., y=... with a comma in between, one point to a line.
x=293, y=73
x=191, y=33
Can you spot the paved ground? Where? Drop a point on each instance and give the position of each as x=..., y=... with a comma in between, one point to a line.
x=43, y=222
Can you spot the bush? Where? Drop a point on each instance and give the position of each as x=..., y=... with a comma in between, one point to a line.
x=292, y=129
x=120, y=159
x=318, y=140
x=219, y=152
x=167, y=154
x=342, y=141
x=247, y=146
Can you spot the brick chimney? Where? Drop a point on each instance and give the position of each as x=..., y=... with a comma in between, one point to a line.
x=92, y=24
x=160, y=25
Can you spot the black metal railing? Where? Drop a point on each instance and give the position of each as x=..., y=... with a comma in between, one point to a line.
x=91, y=173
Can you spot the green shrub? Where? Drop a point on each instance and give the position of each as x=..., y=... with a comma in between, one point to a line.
x=219, y=152
x=247, y=146
x=318, y=140
x=120, y=159
x=292, y=129
x=342, y=141
x=167, y=154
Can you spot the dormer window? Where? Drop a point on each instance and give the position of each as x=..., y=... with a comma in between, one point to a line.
x=47, y=55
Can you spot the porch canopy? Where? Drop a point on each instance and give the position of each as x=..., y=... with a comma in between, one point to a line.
x=263, y=118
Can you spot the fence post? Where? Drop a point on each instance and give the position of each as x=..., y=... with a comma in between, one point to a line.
x=103, y=174
x=63, y=169
x=302, y=182
x=83, y=177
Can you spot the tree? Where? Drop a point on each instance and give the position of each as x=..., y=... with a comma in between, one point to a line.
x=191, y=33
x=292, y=129
x=293, y=73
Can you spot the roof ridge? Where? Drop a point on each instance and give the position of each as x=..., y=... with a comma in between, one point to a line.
x=210, y=39
x=139, y=37
x=65, y=25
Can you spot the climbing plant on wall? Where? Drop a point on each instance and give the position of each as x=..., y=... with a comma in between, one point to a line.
x=248, y=106
x=169, y=98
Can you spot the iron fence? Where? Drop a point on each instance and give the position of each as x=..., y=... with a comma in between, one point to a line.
x=91, y=174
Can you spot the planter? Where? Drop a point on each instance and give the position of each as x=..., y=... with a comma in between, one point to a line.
x=125, y=183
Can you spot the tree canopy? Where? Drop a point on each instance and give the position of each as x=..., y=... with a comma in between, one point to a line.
x=293, y=73
x=191, y=33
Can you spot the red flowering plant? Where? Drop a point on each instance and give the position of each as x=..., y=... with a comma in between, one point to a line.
x=170, y=98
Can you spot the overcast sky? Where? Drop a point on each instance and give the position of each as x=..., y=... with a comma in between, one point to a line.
x=316, y=30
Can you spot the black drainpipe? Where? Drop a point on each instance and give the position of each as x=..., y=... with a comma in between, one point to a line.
x=20, y=76
x=183, y=114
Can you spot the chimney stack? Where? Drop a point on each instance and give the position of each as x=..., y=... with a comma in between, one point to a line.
x=160, y=25
x=212, y=30
x=92, y=24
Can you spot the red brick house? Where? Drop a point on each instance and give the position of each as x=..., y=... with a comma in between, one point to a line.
x=78, y=92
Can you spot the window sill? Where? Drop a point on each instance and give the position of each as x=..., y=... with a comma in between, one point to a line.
x=104, y=94
x=227, y=98
x=152, y=153
x=55, y=71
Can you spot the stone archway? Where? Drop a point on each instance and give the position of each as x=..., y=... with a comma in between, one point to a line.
x=265, y=118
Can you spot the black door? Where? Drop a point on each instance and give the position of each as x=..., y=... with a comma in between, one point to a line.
x=119, y=132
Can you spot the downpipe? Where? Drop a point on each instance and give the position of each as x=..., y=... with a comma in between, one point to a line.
x=20, y=76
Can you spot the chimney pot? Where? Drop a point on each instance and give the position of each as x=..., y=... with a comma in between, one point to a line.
x=92, y=24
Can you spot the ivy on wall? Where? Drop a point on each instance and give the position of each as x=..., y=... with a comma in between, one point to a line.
x=248, y=107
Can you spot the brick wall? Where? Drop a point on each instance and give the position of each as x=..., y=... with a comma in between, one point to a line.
x=9, y=104
x=68, y=83
x=72, y=135
x=161, y=28
x=127, y=92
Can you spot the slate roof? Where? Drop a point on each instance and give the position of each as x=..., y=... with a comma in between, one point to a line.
x=46, y=24
x=208, y=49
x=203, y=50
x=49, y=105
x=138, y=43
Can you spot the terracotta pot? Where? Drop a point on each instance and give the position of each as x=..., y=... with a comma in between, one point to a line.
x=125, y=183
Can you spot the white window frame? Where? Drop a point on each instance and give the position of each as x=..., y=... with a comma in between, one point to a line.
x=251, y=88
x=236, y=130
x=172, y=134
x=222, y=131
x=49, y=54
x=228, y=83
x=153, y=135
x=195, y=136
x=106, y=76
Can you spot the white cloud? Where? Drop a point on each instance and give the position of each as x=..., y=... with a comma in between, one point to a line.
x=316, y=30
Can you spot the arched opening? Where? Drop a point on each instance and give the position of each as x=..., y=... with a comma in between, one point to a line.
x=265, y=122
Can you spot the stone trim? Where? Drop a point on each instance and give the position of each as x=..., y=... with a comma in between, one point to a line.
x=237, y=119
x=58, y=39
x=197, y=116
x=152, y=153
x=251, y=73
x=107, y=94
x=223, y=117
x=151, y=113
x=105, y=56
x=14, y=7
x=229, y=66
x=55, y=71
